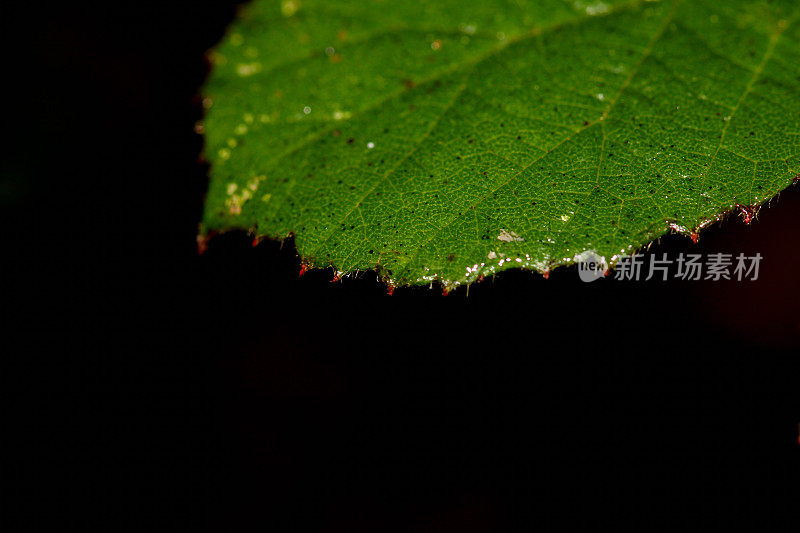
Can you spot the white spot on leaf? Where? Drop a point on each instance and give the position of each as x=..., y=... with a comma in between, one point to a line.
x=248, y=69
x=509, y=236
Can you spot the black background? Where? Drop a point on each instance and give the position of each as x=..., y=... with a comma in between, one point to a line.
x=169, y=390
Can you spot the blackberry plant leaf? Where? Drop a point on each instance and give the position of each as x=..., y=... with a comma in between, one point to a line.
x=443, y=141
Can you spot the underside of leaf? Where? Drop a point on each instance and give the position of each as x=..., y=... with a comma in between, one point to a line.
x=446, y=141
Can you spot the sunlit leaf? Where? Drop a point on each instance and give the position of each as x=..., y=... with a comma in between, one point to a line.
x=453, y=139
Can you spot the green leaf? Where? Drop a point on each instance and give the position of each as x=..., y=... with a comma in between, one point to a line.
x=449, y=140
